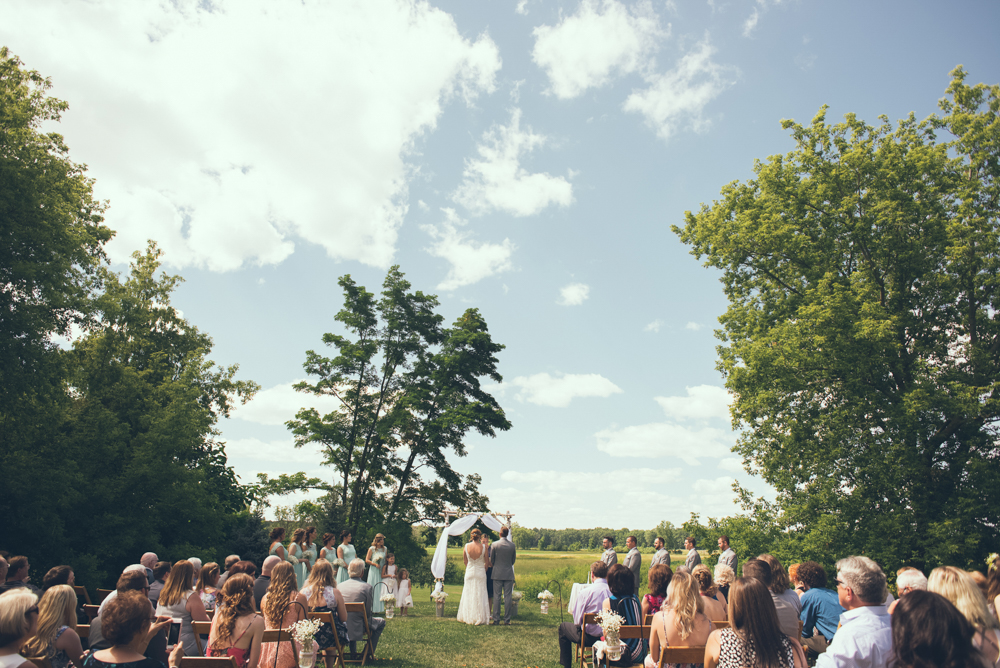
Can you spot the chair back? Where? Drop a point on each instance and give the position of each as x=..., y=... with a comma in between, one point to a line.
x=671, y=655
x=720, y=625
x=102, y=594
x=82, y=591
x=582, y=652
x=327, y=618
x=83, y=630
x=648, y=619
x=366, y=653
x=630, y=632
x=92, y=611
x=208, y=662
x=281, y=635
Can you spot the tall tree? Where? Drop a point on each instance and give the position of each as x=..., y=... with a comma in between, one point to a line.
x=409, y=390
x=862, y=341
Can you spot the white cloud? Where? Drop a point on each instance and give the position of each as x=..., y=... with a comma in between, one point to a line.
x=664, y=439
x=278, y=404
x=731, y=464
x=574, y=294
x=751, y=23
x=653, y=326
x=584, y=49
x=702, y=402
x=228, y=130
x=496, y=181
x=272, y=456
x=676, y=98
x=522, y=7
x=693, y=326
x=558, y=391
x=470, y=261
x=718, y=487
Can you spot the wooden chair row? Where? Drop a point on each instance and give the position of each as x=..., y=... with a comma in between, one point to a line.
x=648, y=620
x=668, y=655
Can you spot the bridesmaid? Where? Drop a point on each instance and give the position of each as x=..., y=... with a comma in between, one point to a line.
x=347, y=553
x=312, y=552
x=329, y=553
x=375, y=558
x=277, y=536
x=297, y=556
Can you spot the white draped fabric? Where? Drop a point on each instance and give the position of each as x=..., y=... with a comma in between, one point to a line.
x=457, y=528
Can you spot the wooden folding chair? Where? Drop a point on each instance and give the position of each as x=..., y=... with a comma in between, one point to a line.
x=208, y=662
x=671, y=655
x=327, y=618
x=83, y=630
x=102, y=594
x=367, y=651
x=631, y=632
x=281, y=635
x=582, y=652
x=720, y=625
x=201, y=629
x=92, y=611
x=648, y=619
x=82, y=591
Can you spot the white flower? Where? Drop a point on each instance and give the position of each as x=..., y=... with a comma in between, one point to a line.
x=339, y=562
x=545, y=595
x=516, y=596
x=610, y=621
x=388, y=599
x=439, y=596
x=305, y=630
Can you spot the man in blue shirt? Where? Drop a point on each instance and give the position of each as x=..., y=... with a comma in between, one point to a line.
x=864, y=639
x=821, y=608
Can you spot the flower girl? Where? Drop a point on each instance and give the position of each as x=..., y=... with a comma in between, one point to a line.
x=389, y=573
x=403, y=591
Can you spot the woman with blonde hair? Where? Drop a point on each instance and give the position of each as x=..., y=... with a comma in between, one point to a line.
x=322, y=595
x=18, y=623
x=712, y=606
x=207, y=581
x=178, y=601
x=282, y=605
x=297, y=557
x=237, y=629
x=375, y=558
x=681, y=622
x=56, y=616
x=958, y=587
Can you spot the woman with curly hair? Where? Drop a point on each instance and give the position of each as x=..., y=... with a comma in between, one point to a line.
x=724, y=576
x=754, y=640
x=282, y=605
x=958, y=587
x=714, y=608
x=682, y=621
x=237, y=629
x=56, y=637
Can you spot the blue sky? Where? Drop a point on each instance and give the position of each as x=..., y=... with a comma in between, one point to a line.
x=526, y=158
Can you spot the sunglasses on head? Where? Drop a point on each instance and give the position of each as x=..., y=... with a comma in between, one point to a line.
x=30, y=610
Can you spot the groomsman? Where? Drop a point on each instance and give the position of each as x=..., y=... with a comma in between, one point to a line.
x=633, y=560
x=693, y=558
x=728, y=557
x=610, y=557
x=661, y=556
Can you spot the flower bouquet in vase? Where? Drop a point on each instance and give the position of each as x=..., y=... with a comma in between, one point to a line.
x=545, y=597
x=610, y=623
x=389, y=601
x=515, y=597
x=439, y=596
x=304, y=632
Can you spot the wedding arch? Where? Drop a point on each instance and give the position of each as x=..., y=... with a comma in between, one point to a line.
x=457, y=528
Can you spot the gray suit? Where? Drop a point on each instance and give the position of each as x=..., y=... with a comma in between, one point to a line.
x=610, y=557
x=693, y=559
x=633, y=560
x=503, y=554
x=357, y=590
x=661, y=557
x=728, y=558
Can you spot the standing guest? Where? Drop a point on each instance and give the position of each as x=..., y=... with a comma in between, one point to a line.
x=927, y=630
x=17, y=576
x=128, y=627
x=588, y=601
x=237, y=629
x=328, y=552
x=958, y=587
x=724, y=577
x=661, y=556
x=681, y=623
x=728, y=557
x=693, y=558
x=625, y=604
x=610, y=557
x=908, y=579
x=322, y=596
x=312, y=551
x=713, y=607
x=231, y=561
x=865, y=636
x=658, y=579
x=356, y=590
x=178, y=601
x=821, y=607
x=754, y=638
x=297, y=556
x=275, y=541
x=208, y=581
x=633, y=560
x=261, y=584
x=18, y=623
x=160, y=572
x=283, y=605
x=148, y=560
x=346, y=553
x=131, y=581
x=56, y=638
x=375, y=558
x=786, y=601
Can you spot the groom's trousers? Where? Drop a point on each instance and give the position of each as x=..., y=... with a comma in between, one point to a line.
x=502, y=589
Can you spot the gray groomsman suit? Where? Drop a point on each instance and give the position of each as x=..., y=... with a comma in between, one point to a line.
x=661, y=557
x=610, y=557
x=693, y=559
x=503, y=554
x=633, y=560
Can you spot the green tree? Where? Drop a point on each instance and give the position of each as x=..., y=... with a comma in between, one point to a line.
x=862, y=342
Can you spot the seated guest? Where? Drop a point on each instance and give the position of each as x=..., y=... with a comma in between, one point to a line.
x=993, y=586
x=786, y=601
x=754, y=637
x=356, y=590
x=128, y=627
x=865, y=635
x=821, y=607
x=206, y=587
x=958, y=587
x=261, y=584
x=17, y=576
x=160, y=572
x=18, y=623
x=713, y=608
x=927, y=630
x=237, y=629
x=148, y=561
x=243, y=566
x=56, y=638
x=681, y=622
x=322, y=596
x=231, y=561
x=908, y=579
x=657, y=580
x=793, y=578
x=588, y=601
x=283, y=605
x=63, y=575
x=131, y=581
x=138, y=568
x=625, y=604
x=724, y=577
x=178, y=601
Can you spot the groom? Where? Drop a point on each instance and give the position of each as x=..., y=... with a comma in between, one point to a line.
x=503, y=554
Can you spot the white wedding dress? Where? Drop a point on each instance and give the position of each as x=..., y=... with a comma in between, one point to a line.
x=474, y=608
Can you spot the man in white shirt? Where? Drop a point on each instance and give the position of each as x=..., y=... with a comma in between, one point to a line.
x=633, y=560
x=610, y=557
x=864, y=639
x=661, y=556
x=728, y=557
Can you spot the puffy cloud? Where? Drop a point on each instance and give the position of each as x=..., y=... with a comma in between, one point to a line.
x=701, y=402
x=228, y=130
x=751, y=23
x=522, y=7
x=470, y=261
x=558, y=391
x=574, y=294
x=693, y=326
x=278, y=404
x=677, y=97
x=731, y=464
x=496, y=181
x=584, y=49
x=271, y=457
x=665, y=439
x=653, y=326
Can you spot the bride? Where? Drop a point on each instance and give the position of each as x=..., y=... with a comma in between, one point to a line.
x=474, y=608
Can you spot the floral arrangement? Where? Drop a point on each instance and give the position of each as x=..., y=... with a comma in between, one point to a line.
x=305, y=630
x=339, y=562
x=389, y=599
x=516, y=595
x=545, y=595
x=610, y=621
x=991, y=561
x=440, y=596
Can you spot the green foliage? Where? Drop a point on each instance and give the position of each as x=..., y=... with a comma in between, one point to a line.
x=862, y=340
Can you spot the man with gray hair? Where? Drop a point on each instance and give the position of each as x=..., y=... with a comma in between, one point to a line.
x=263, y=580
x=865, y=636
x=148, y=561
x=230, y=562
x=907, y=580
x=356, y=590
